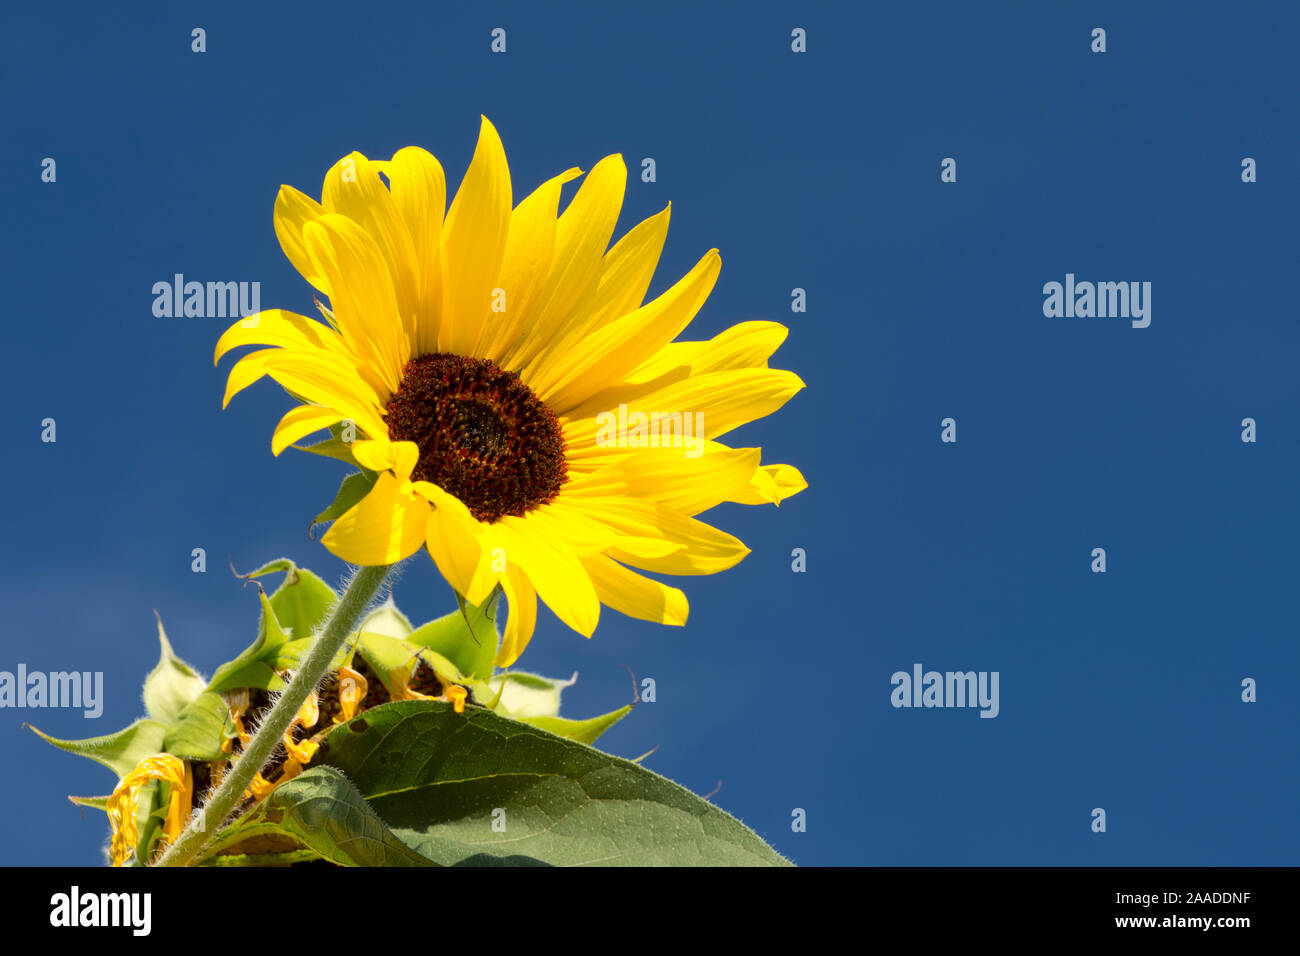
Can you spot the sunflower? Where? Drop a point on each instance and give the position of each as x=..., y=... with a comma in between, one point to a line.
x=483, y=359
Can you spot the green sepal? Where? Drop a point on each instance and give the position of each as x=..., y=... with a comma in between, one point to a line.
x=150, y=813
x=380, y=644
x=302, y=602
x=119, y=752
x=353, y=488
x=256, y=666
x=467, y=638
x=527, y=695
x=172, y=685
x=583, y=731
x=331, y=448
x=336, y=447
x=99, y=803
x=378, y=640
x=391, y=659
x=201, y=730
x=386, y=620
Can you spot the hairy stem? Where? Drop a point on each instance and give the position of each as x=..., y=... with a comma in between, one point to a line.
x=205, y=821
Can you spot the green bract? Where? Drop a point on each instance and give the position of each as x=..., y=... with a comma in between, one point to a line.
x=409, y=780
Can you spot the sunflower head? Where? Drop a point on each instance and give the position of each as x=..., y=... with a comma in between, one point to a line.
x=529, y=419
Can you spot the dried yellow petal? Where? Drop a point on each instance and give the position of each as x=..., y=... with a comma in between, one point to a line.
x=456, y=695
x=352, y=690
x=124, y=803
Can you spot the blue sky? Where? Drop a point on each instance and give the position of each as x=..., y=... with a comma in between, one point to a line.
x=819, y=171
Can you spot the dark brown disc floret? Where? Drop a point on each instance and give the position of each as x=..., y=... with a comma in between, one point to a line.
x=483, y=435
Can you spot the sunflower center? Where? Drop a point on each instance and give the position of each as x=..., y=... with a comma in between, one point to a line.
x=483, y=435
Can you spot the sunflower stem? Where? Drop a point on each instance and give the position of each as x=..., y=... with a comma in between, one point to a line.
x=207, y=820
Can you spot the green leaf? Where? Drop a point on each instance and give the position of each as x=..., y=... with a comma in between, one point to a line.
x=437, y=777
x=583, y=731
x=287, y=858
x=470, y=648
x=527, y=695
x=352, y=490
x=118, y=752
x=201, y=730
x=323, y=812
x=172, y=685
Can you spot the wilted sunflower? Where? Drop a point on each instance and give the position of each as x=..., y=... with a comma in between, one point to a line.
x=485, y=357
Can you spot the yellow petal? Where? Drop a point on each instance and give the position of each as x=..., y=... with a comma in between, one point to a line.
x=300, y=422
x=690, y=485
x=352, y=691
x=353, y=188
x=382, y=528
x=179, y=804
x=474, y=244
x=320, y=378
x=602, y=481
x=364, y=301
x=627, y=269
x=634, y=595
x=560, y=579
x=529, y=249
x=569, y=519
x=582, y=235
x=745, y=345
x=455, y=695
x=521, y=598
x=293, y=210
x=419, y=190
x=585, y=535
x=278, y=327
x=702, y=549
x=381, y=455
x=772, y=484
x=123, y=803
x=726, y=400
x=453, y=538
x=261, y=787
x=571, y=527
x=584, y=366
